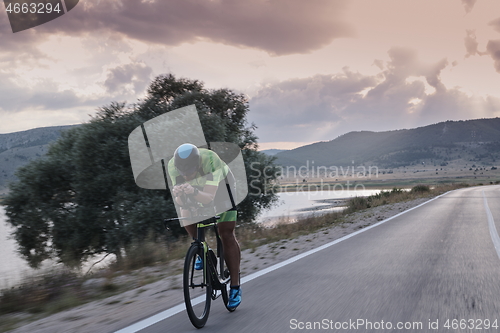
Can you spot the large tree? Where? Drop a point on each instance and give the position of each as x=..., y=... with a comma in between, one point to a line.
x=80, y=199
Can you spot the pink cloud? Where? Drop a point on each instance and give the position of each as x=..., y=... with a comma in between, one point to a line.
x=278, y=27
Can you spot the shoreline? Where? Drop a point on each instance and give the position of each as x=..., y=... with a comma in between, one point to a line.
x=382, y=183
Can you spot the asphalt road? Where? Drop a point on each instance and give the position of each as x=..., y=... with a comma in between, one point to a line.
x=434, y=264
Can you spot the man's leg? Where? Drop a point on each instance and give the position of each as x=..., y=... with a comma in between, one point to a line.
x=191, y=229
x=232, y=252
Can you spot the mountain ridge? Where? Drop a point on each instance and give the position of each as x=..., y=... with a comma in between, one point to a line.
x=400, y=147
x=19, y=148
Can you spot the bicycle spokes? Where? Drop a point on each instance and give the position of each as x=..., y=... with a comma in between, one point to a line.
x=197, y=289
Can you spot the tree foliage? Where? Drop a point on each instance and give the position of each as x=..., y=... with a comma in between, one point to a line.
x=80, y=199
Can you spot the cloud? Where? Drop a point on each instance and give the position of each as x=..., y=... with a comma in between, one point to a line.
x=32, y=80
x=496, y=24
x=129, y=78
x=471, y=44
x=17, y=48
x=325, y=106
x=468, y=5
x=404, y=63
x=45, y=95
x=493, y=49
x=301, y=104
x=278, y=27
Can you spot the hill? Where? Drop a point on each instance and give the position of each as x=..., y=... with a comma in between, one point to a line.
x=18, y=148
x=272, y=152
x=460, y=141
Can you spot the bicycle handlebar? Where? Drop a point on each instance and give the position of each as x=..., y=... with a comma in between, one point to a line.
x=187, y=218
x=166, y=221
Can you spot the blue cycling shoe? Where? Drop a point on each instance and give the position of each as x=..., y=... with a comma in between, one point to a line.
x=198, y=264
x=234, y=297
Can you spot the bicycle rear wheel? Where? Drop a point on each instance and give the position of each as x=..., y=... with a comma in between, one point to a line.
x=196, y=284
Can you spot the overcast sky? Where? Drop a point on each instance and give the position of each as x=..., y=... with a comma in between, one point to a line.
x=312, y=70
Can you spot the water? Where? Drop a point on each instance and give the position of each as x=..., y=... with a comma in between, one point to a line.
x=295, y=204
x=12, y=267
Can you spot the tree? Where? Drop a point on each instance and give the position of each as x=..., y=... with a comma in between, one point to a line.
x=80, y=199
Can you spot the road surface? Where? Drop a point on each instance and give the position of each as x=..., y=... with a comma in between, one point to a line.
x=432, y=269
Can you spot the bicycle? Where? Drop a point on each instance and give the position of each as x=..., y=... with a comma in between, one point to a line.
x=213, y=277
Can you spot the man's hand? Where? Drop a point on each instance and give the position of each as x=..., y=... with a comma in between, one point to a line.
x=188, y=189
x=183, y=189
x=178, y=190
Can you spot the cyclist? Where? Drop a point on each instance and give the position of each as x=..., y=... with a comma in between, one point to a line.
x=199, y=178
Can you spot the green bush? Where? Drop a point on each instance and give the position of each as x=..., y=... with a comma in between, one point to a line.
x=357, y=203
x=420, y=189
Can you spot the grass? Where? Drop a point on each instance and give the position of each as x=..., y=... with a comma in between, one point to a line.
x=63, y=289
x=8, y=323
x=36, y=293
x=398, y=195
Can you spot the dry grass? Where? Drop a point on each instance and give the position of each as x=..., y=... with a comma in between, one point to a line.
x=251, y=238
x=49, y=292
x=150, y=253
x=398, y=195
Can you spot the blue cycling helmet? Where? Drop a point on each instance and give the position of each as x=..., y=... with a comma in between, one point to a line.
x=187, y=159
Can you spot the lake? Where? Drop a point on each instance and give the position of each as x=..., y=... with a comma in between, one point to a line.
x=294, y=204
x=12, y=266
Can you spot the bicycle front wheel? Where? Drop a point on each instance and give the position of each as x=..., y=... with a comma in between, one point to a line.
x=197, y=288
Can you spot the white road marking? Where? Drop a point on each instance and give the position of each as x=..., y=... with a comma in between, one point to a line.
x=493, y=229
x=181, y=307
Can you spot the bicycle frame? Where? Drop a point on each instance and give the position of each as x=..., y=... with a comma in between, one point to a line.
x=218, y=279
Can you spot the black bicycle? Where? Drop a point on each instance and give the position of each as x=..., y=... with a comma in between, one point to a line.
x=201, y=286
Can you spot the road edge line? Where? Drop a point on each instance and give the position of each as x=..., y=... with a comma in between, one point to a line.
x=144, y=323
x=492, y=227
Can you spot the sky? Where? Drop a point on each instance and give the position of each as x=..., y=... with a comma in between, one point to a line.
x=311, y=70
